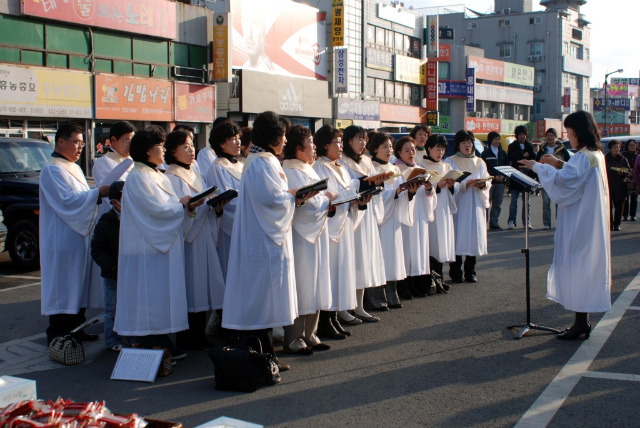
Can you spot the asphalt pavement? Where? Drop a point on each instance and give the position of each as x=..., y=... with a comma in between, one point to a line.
x=442, y=361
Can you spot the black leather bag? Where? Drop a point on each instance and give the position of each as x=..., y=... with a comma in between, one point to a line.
x=242, y=368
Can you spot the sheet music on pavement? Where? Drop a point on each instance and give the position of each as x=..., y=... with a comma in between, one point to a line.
x=518, y=176
x=345, y=196
x=137, y=364
x=117, y=172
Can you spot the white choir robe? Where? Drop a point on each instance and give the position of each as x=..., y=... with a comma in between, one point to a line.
x=397, y=211
x=471, y=219
x=415, y=238
x=206, y=157
x=580, y=275
x=442, y=244
x=341, y=239
x=310, y=242
x=101, y=168
x=368, y=248
x=68, y=213
x=225, y=176
x=152, y=296
x=203, y=274
x=261, y=282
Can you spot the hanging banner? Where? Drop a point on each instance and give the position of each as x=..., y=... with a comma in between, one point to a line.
x=133, y=98
x=195, y=103
x=431, y=36
x=150, y=17
x=341, y=68
x=337, y=26
x=566, y=100
x=471, y=89
x=432, y=85
x=221, y=52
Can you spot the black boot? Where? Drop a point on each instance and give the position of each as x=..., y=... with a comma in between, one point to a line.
x=421, y=285
x=580, y=326
x=470, y=269
x=404, y=288
x=194, y=338
x=336, y=324
x=455, y=270
x=392, y=295
x=326, y=328
x=375, y=299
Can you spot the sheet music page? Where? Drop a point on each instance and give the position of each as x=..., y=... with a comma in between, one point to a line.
x=518, y=176
x=137, y=364
x=345, y=196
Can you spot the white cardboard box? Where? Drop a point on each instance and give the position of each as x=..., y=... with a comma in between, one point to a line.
x=226, y=422
x=13, y=389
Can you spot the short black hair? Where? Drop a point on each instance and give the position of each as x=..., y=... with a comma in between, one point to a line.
x=553, y=131
x=436, y=140
x=521, y=129
x=143, y=140
x=613, y=143
x=350, y=133
x=66, y=130
x=376, y=140
x=120, y=128
x=295, y=141
x=184, y=127
x=245, y=137
x=219, y=120
x=267, y=129
x=417, y=128
x=492, y=135
x=174, y=140
x=397, y=146
x=220, y=133
x=323, y=137
x=629, y=141
x=585, y=129
x=460, y=137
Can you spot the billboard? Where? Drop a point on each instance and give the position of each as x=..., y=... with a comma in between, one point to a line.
x=618, y=104
x=221, y=43
x=407, y=69
x=487, y=69
x=337, y=26
x=358, y=109
x=444, y=54
x=379, y=59
x=279, y=37
x=431, y=36
x=195, y=102
x=452, y=89
x=481, y=124
x=151, y=17
x=503, y=94
x=625, y=81
x=341, y=67
x=432, y=85
x=402, y=113
x=41, y=92
x=518, y=74
x=133, y=98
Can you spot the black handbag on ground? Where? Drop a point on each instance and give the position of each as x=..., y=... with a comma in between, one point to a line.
x=242, y=368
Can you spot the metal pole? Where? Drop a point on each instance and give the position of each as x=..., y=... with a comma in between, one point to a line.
x=606, y=105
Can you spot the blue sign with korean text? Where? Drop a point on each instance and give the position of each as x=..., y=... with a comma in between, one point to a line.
x=614, y=104
x=471, y=89
x=452, y=89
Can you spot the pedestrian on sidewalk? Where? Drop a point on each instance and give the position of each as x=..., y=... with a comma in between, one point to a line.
x=494, y=156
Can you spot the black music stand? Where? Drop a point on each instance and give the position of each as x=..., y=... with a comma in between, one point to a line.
x=529, y=184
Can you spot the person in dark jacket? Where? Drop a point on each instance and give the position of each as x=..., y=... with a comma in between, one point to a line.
x=552, y=146
x=494, y=156
x=631, y=204
x=519, y=150
x=617, y=182
x=104, y=250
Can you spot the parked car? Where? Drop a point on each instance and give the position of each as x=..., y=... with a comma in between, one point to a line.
x=21, y=160
x=3, y=232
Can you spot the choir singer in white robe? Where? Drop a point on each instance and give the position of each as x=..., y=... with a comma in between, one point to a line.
x=261, y=286
x=207, y=155
x=204, y=281
x=310, y=245
x=152, y=297
x=472, y=200
x=68, y=213
x=580, y=275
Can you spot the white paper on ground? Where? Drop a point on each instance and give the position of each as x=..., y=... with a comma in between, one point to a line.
x=137, y=364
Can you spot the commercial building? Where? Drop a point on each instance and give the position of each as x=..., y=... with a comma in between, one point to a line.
x=622, y=114
x=97, y=62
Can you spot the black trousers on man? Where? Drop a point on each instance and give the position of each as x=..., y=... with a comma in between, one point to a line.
x=61, y=324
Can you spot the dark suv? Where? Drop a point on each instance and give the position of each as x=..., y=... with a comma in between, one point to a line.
x=21, y=160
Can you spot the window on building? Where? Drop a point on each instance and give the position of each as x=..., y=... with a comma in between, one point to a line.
x=472, y=25
x=444, y=107
x=371, y=86
x=399, y=41
x=444, y=70
x=388, y=89
x=585, y=107
x=390, y=38
x=380, y=88
x=371, y=34
x=505, y=51
x=535, y=48
x=575, y=51
x=380, y=38
x=565, y=48
x=576, y=34
x=504, y=23
x=536, y=20
x=587, y=54
x=537, y=80
x=537, y=107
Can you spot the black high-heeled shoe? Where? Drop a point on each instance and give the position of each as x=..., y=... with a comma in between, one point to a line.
x=575, y=332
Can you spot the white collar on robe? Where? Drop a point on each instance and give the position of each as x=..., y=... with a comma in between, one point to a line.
x=300, y=166
x=264, y=155
x=341, y=174
x=115, y=156
x=72, y=168
x=190, y=176
x=161, y=180
x=596, y=160
x=380, y=168
x=471, y=165
x=235, y=169
x=405, y=170
x=364, y=167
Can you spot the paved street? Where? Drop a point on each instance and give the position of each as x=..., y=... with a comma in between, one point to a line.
x=443, y=361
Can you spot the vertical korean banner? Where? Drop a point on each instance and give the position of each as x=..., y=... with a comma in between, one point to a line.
x=471, y=89
x=432, y=36
x=432, y=86
x=567, y=100
x=337, y=24
x=341, y=56
x=221, y=52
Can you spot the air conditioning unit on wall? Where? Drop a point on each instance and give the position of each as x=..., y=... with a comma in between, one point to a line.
x=537, y=88
x=533, y=58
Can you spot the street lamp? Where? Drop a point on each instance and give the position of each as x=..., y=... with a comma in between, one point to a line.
x=606, y=100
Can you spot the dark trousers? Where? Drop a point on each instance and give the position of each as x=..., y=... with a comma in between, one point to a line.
x=154, y=341
x=61, y=324
x=436, y=266
x=616, y=212
x=630, y=206
x=455, y=268
x=265, y=336
x=194, y=338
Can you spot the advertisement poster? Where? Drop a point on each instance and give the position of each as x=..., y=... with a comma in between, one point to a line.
x=195, y=103
x=131, y=98
x=151, y=17
x=41, y=92
x=279, y=37
x=341, y=68
x=432, y=36
x=471, y=89
x=481, y=124
x=221, y=43
x=402, y=114
x=432, y=86
x=337, y=26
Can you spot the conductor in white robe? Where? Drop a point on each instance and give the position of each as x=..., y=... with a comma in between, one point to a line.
x=580, y=275
x=120, y=136
x=68, y=213
x=152, y=296
x=260, y=288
